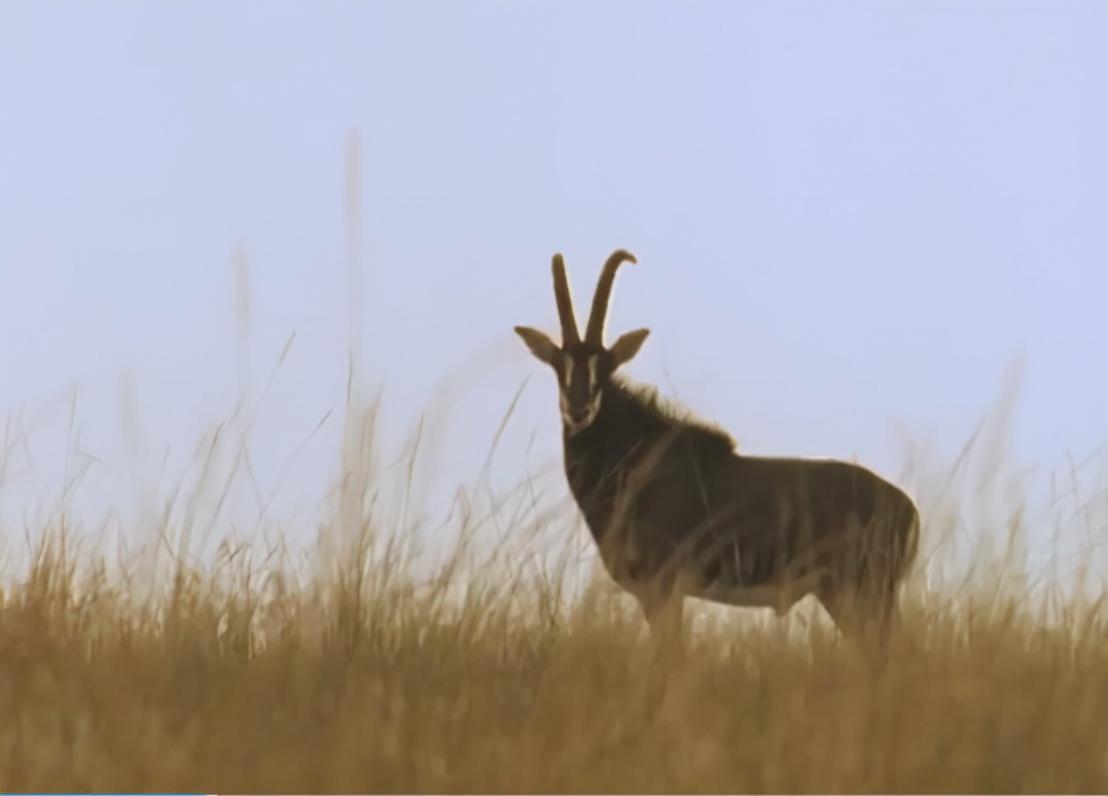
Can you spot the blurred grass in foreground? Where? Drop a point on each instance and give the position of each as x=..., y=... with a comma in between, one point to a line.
x=360, y=670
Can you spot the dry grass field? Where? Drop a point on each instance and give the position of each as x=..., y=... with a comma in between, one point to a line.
x=356, y=669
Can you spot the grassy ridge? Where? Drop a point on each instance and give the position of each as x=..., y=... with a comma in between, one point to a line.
x=356, y=684
x=370, y=669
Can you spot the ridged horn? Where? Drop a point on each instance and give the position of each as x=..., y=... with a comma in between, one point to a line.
x=595, y=332
x=564, y=299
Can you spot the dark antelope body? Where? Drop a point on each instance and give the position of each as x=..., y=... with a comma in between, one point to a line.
x=676, y=511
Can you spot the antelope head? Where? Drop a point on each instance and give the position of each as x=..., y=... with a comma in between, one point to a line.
x=583, y=367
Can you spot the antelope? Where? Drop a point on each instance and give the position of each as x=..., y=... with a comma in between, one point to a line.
x=676, y=511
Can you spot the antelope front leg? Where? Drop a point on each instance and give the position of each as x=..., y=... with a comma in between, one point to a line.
x=664, y=609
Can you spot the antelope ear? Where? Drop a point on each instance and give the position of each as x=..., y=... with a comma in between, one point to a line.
x=541, y=346
x=628, y=345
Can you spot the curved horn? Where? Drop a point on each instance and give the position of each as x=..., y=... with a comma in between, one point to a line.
x=595, y=332
x=565, y=302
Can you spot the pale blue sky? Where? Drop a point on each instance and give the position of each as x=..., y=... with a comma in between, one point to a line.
x=847, y=216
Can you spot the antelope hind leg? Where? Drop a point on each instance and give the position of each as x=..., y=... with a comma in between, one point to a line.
x=863, y=615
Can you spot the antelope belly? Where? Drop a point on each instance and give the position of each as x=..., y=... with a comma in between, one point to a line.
x=779, y=596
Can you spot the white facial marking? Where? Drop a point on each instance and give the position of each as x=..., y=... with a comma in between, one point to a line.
x=592, y=408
